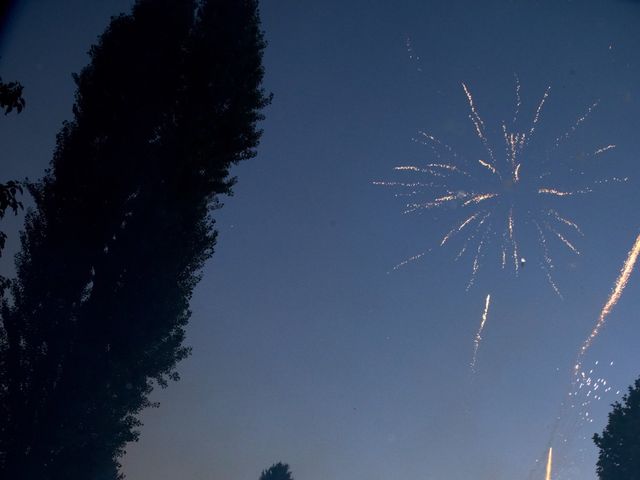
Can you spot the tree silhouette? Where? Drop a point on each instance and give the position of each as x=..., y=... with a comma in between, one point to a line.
x=619, y=457
x=120, y=231
x=10, y=99
x=277, y=471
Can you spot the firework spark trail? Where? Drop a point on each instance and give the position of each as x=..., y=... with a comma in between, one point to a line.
x=473, y=107
x=411, y=53
x=478, y=338
x=604, y=181
x=518, y=101
x=409, y=260
x=480, y=198
x=566, y=221
x=563, y=239
x=412, y=168
x=575, y=126
x=476, y=258
x=403, y=184
x=436, y=202
x=434, y=140
x=548, y=265
x=512, y=238
x=513, y=144
x=516, y=173
x=430, y=169
x=561, y=193
x=451, y=168
x=472, y=236
x=621, y=283
x=549, y=464
x=460, y=227
x=478, y=123
x=604, y=149
x=488, y=166
x=537, y=115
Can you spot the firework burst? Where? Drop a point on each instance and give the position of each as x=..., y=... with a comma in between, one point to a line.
x=499, y=197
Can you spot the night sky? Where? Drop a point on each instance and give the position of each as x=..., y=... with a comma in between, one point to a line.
x=307, y=346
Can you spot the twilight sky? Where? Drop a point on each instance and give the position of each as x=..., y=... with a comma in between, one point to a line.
x=305, y=348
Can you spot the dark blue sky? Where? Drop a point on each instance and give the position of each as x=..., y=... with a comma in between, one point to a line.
x=305, y=349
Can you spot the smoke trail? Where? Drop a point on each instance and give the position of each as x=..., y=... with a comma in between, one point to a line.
x=478, y=339
x=621, y=283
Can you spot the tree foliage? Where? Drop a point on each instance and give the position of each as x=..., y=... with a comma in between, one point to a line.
x=10, y=99
x=619, y=444
x=121, y=229
x=277, y=471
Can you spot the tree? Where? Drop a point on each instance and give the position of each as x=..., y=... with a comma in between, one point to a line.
x=619, y=444
x=121, y=229
x=10, y=99
x=277, y=471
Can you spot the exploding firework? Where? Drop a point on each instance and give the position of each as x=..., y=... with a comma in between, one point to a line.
x=478, y=338
x=585, y=386
x=498, y=194
x=614, y=298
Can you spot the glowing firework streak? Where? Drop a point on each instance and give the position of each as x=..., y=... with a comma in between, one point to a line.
x=459, y=228
x=488, y=166
x=548, y=262
x=518, y=101
x=512, y=237
x=478, y=123
x=478, y=339
x=604, y=149
x=538, y=111
x=566, y=221
x=562, y=238
x=480, y=198
x=451, y=168
x=549, y=463
x=620, y=285
x=437, y=142
x=409, y=260
x=472, y=106
x=575, y=126
x=561, y=193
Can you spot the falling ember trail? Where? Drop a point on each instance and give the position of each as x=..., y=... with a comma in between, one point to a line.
x=478, y=339
x=549, y=462
x=621, y=283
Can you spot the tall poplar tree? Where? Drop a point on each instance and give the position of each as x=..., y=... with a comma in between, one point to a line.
x=121, y=229
x=619, y=444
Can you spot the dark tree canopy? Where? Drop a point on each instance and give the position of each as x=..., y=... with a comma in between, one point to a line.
x=619, y=444
x=10, y=99
x=277, y=471
x=120, y=231
x=8, y=201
